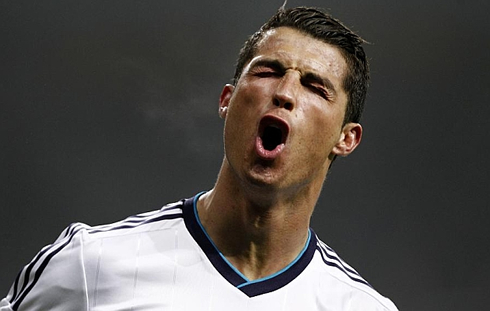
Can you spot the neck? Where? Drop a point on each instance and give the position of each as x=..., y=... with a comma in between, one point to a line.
x=259, y=233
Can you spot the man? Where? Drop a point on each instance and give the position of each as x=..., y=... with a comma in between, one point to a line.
x=294, y=106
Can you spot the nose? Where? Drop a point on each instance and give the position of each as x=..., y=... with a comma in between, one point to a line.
x=286, y=91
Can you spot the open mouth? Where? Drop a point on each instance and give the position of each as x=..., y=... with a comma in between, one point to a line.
x=271, y=137
x=273, y=132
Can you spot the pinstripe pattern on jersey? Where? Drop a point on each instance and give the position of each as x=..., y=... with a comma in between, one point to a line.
x=30, y=274
x=330, y=258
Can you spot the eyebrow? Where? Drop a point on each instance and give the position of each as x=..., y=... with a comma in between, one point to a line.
x=309, y=77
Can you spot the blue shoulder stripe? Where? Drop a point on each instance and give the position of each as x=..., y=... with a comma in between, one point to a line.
x=142, y=219
x=333, y=255
x=334, y=261
x=134, y=224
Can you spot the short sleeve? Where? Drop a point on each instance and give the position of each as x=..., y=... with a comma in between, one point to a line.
x=54, y=279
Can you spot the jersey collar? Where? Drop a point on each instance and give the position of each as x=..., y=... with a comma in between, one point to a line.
x=229, y=272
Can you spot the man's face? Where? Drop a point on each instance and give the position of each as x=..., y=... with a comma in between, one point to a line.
x=283, y=120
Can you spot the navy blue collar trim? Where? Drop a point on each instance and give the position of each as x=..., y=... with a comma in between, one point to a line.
x=250, y=288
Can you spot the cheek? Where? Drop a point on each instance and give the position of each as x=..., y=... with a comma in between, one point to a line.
x=323, y=129
x=241, y=119
x=249, y=101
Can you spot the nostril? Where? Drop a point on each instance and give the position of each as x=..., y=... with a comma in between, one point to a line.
x=283, y=104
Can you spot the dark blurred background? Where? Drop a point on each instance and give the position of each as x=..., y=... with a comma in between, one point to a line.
x=109, y=108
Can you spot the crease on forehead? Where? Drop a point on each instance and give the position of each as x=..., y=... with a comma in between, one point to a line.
x=317, y=55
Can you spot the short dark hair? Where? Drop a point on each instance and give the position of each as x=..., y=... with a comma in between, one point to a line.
x=320, y=25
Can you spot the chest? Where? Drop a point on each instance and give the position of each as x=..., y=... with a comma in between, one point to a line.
x=136, y=273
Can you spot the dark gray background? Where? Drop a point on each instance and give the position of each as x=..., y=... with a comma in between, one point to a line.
x=109, y=108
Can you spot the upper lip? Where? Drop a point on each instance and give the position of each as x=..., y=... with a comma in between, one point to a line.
x=275, y=121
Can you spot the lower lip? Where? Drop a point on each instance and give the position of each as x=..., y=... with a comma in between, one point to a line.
x=267, y=154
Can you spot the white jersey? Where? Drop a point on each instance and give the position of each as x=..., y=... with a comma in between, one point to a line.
x=164, y=260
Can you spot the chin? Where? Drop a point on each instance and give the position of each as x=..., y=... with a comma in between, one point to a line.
x=265, y=176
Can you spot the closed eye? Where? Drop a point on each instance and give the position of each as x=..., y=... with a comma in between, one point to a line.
x=266, y=73
x=321, y=86
x=267, y=68
x=320, y=91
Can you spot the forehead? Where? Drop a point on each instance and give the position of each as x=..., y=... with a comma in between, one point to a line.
x=301, y=51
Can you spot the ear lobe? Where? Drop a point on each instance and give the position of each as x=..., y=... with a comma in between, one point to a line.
x=224, y=100
x=349, y=139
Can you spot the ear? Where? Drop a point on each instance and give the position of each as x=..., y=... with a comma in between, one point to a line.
x=224, y=100
x=349, y=139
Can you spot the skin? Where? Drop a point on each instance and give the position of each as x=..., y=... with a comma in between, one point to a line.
x=258, y=213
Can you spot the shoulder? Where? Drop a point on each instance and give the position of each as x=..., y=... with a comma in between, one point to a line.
x=163, y=218
x=339, y=276
x=59, y=269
